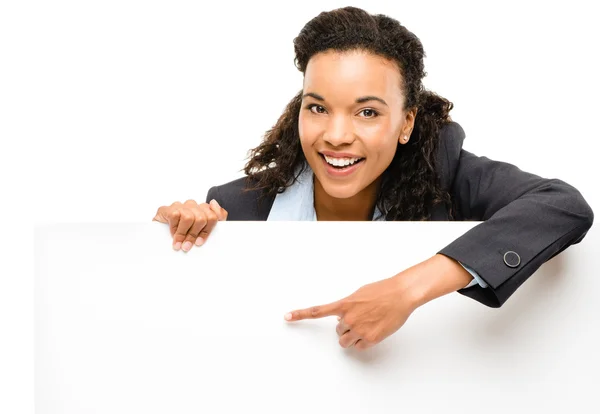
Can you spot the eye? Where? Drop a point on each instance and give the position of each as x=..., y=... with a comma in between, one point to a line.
x=369, y=113
x=319, y=109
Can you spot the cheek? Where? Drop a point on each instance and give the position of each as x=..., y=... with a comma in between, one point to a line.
x=380, y=142
x=381, y=157
x=308, y=131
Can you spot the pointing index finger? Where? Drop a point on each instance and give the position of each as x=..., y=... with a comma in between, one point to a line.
x=315, y=312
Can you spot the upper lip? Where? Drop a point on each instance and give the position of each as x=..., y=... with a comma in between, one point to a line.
x=339, y=154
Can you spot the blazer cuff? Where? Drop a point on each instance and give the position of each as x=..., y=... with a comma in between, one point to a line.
x=477, y=280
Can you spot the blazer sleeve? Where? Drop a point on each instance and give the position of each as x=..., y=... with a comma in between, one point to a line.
x=526, y=220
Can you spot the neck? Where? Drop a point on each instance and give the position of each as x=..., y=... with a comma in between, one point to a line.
x=359, y=207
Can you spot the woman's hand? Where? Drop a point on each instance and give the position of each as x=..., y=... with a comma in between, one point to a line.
x=377, y=310
x=190, y=223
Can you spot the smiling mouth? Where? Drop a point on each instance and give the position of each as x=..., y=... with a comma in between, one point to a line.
x=341, y=164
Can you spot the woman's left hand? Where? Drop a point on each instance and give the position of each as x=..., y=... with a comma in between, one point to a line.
x=377, y=310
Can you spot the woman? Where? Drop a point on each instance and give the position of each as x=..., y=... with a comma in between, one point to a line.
x=363, y=140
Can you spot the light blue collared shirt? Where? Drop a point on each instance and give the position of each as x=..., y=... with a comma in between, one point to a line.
x=296, y=203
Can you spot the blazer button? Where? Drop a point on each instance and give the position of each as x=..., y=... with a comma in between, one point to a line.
x=512, y=259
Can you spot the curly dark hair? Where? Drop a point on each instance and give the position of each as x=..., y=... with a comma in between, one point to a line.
x=410, y=185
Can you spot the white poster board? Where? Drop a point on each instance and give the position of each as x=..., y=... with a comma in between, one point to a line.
x=124, y=324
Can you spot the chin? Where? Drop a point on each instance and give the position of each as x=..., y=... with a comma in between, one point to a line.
x=341, y=191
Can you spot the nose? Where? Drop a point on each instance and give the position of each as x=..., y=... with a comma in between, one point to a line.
x=338, y=131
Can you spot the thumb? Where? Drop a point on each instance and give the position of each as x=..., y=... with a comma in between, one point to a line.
x=219, y=211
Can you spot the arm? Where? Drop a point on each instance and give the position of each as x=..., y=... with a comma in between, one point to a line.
x=527, y=220
x=379, y=309
x=532, y=217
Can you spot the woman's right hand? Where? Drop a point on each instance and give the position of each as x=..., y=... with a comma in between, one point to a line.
x=190, y=223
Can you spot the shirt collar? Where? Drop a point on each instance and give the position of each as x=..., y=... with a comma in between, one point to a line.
x=296, y=203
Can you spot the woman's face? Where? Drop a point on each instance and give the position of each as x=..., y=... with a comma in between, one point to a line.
x=351, y=119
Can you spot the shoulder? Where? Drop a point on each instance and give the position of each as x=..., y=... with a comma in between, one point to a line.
x=451, y=138
x=231, y=189
x=241, y=200
x=452, y=135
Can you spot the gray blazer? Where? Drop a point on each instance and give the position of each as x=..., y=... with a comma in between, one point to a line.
x=526, y=219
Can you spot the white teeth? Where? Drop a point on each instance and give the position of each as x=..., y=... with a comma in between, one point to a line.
x=341, y=162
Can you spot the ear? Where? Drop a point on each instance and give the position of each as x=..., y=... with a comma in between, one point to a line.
x=409, y=124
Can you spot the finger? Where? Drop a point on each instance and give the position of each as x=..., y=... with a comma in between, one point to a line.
x=315, y=312
x=173, y=219
x=191, y=204
x=192, y=234
x=171, y=215
x=163, y=214
x=211, y=221
x=160, y=215
x=341, y=328
x=362, y=344
x=186, y=220
x=348, y=339
x=219, y=211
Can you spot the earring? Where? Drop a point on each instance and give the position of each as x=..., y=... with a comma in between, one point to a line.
x=405, y=138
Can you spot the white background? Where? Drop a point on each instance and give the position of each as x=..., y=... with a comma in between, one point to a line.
x=109, y=109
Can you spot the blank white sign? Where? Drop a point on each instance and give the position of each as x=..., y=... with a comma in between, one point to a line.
x=124, y=324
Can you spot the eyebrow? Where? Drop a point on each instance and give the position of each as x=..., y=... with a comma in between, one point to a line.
x=362, y=99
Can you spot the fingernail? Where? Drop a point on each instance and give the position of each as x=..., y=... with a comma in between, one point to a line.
x=187, y=246
x=288, y=316
x=199, y=241
x=215, y=203
x=177, y=246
